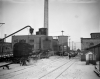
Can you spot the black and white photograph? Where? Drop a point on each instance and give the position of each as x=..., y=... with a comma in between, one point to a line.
x=49, y=39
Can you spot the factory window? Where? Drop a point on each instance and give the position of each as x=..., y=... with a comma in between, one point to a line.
x=16, y=40
x=22, y=41
x=91, y=44
x=31, y=40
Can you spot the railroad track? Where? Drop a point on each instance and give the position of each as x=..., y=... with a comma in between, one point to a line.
x=19, y=71
x=46, y=76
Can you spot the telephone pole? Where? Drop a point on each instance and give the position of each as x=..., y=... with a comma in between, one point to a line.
x=72, y=45
x=69, y=44
x=62, y=42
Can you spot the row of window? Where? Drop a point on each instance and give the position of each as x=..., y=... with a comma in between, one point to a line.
x=23, y=40
x=95, y=36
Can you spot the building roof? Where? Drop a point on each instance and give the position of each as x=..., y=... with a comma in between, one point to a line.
x=95, y=33
x=98, y=45
x=90, y=38
x=89, y=53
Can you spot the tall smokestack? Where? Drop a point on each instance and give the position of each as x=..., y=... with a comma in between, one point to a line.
x=46, y=15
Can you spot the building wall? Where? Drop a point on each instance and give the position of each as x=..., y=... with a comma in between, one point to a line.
x=95, y=35
x=63, y=40
x=35, y=40
x=31, y=39
x=5, y=48
x=96, y=51
x=46, y=42
x=1, y=40
x=88, y=42
x=55, y=45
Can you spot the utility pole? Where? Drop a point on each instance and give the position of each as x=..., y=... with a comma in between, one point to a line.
x=75, y=46
x=1, y=24
x=72, y=45
x=62, y=41
x=1, y=41
x=69, y=45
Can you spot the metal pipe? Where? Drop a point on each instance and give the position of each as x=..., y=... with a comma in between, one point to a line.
x=15, y=32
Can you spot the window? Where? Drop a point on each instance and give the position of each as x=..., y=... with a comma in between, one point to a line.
x=31, y=40
x=16, y=40
x=22, y=41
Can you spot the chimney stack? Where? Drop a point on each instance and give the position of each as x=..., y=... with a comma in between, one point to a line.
x=46, y=15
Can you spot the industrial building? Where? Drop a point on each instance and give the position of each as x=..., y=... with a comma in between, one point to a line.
x=89, y=42
x=95, y=35
x=42, y=42
x=63, y=42
x=5, y=48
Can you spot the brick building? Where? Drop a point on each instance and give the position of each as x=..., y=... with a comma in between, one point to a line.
x=89, y=42
x=95, y=35
x=36, y=41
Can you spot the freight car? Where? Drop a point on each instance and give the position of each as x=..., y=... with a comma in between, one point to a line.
x=21, y=50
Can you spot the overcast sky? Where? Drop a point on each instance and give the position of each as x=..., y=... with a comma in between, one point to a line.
x=77, y=18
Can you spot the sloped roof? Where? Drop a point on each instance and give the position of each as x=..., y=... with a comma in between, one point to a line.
x=98, y=45
x=89, y=53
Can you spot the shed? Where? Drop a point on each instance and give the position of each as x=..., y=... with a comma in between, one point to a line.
x=96, y=50
x=90, y=58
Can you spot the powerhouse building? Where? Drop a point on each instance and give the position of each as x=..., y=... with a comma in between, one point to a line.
x=42, y=42
x=89, y=42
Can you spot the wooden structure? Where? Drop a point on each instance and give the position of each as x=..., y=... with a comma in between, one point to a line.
x=96, y=50
x=90, y=58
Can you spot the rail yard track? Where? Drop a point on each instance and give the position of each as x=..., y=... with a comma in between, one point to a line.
x=67, y=64
x=64, y=68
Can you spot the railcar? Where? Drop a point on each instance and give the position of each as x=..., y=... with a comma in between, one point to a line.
x=21, y=50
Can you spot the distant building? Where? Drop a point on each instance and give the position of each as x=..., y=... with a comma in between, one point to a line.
x=55, y=44
x=63, y=42
x=42, y=31
x=95, y=35
x=96, y=50
x=89, y=42
x=5, y=48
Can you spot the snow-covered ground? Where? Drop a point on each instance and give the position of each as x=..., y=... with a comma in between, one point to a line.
x=54, y=67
